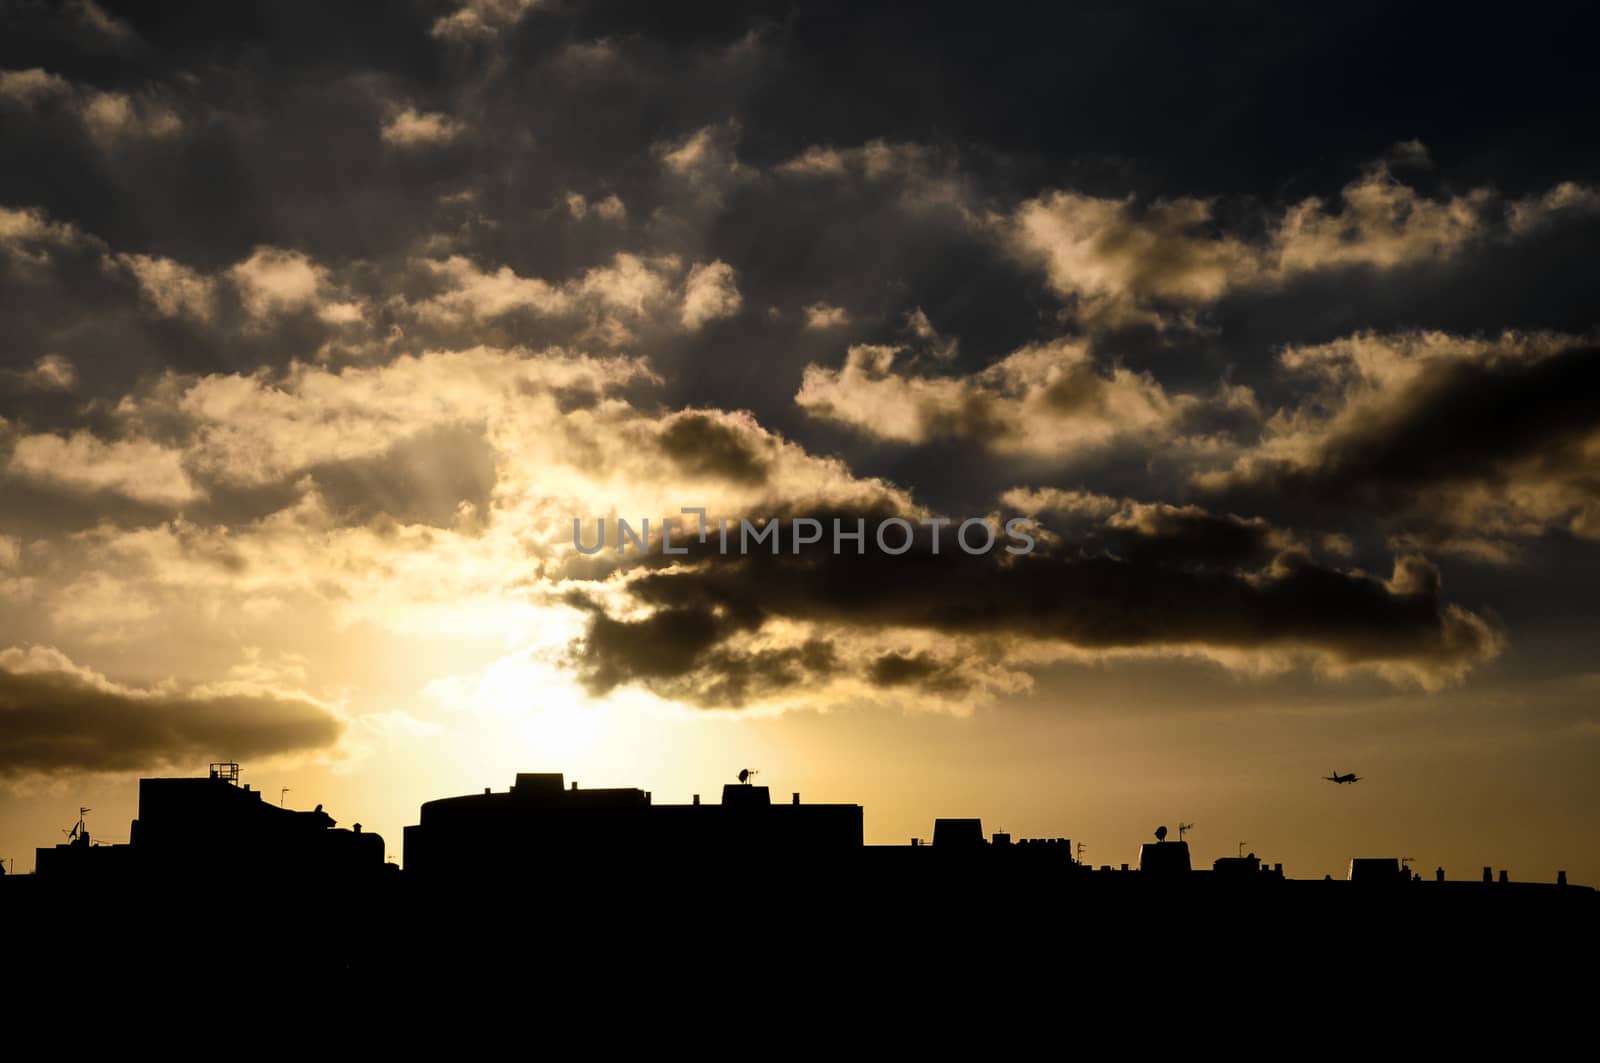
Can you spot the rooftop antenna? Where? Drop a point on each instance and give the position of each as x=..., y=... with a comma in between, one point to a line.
x=1241, y=847
x=1081, y=848
x=1184, y=828
x=746, y=773
x=280, y=796
x=79, y=828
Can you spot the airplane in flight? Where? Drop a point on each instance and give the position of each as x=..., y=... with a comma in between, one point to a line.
x=1336, y=777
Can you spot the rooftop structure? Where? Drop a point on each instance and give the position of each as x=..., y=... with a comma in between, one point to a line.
x=211, y=826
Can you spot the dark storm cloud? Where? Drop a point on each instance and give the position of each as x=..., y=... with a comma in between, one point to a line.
x=700, y=446
x=1444, y=435
x=1460, y=421
x=915, y=670
x=682, y=653
x=1170, y=535
x=55, y=717
x=1184, y=581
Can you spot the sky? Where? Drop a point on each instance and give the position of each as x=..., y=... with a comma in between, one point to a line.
x=321, y=325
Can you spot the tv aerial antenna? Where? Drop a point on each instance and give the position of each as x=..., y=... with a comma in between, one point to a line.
x=1241, y=847
x=1082, y=848
x=281, y=792
x=1184, y=828
x=79, y=829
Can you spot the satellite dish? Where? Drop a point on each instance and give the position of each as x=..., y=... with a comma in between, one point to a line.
x=1161, y=834
x=745, y=773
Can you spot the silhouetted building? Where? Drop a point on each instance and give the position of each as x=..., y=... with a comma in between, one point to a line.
x=958, y=833
x=1379, y=870
x=202, y=827
x=1164, y=858
x=541, y=827
x=81, y=858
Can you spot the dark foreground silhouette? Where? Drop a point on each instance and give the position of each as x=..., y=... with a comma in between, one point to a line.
x=566, y=893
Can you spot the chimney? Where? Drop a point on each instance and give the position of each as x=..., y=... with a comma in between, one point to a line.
x=1438, y=874
x=1488, y=874
x=485, y=789
x=1504, y=875
x=697, y=799
x=1561, y=878
x=574, y=785
x=797, y=799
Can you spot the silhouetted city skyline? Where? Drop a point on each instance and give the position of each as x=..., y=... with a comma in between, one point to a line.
x=193, y=828
x=1051, y=439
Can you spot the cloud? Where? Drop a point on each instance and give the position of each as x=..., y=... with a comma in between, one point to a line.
x=28, y=236
x=113, y=118
x=941, y=347
x=350, y=313
x=711, y=292
x=605, y=303
x=138, y=469
x=1115, y=256
x=476, y=293
x=482, y=18
x=430, y=497
x=28, y=87
x=273, y=280
x=1157, y=581
x=51, y=372
x=701, y=444
x=923, y=178
x=1460, y=440
x=175, y=290
x=611, y=208
x=58, y=717
x=1566, y=200
x=1122, y=260
x=706, y=152
x=821, y=316
x=632, y=282
x=410, y=128
x=580, y=59
x=260, y=428
x=1155, y=531
x=1381, y=224
x=110, y=118
x=705, y=168
x=95, y=18
x=1044, y=400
